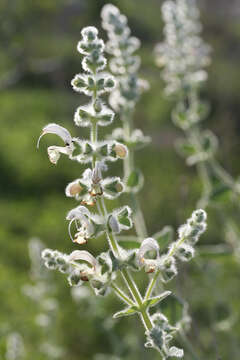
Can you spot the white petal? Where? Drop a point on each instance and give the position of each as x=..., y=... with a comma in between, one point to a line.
x=63, y=133
x=174, y=351
x=83, y=255
x=88, y=29
x=147, y=245
x=87, y=175
x=78, y=213
x=55, y=151
x=69, y=189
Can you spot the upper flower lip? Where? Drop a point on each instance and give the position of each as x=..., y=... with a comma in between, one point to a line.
x=56, y=129
x=83, y=255
x=147, y=245
x=78, y=213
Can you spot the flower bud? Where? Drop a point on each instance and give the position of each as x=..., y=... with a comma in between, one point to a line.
x=113, y=224
x=97, y=105
x=74, y=278
x=199, y=216
x=185, y=252
x=120, y=150
x=89, y=33
x=112, y=187
x=75, y=189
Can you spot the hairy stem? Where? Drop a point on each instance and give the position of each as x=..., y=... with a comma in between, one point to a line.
x=122, y=295
x=155, y=277
x=138, y=218
x=114, y=246
x=133, y=289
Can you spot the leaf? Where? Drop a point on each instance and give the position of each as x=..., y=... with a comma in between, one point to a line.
x=115, y=262
x=124, y=217
x=220, y=193
x=133, y=179
x=164, y=237
x=185, y=148
x=174, y=351
x=209, y=141
x=128, y=242
x=155, y=300
x=126, y=312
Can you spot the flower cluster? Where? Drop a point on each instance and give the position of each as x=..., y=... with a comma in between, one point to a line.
x=43, y=294
x=188, y=234
x=15, y=349
x=160, y=336
x=183, y=54
x=81, y=267
x=91, y=218
x=124, y=64
x=183, y=57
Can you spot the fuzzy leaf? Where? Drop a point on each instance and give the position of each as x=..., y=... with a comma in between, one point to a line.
x=219, y=193
x=185, y=148
x=126, y=312
x=124, y=218
x=155, y=300
x=133, y=179
x=164, y=237
x=115, y=262
x=129, y=244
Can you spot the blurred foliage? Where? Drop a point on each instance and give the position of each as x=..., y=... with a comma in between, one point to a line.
x=37, y=61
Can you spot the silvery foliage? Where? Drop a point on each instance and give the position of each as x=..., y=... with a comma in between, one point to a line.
x=91, y=218
x=183, y=53
x=124, y=65
x=14, y=347
x=183, y=57
x=42, y=293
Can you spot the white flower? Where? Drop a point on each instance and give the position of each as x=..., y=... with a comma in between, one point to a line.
x=63, y=133
x=55, y=151
x=148, y=244
x=87, y=225
x=81, y=216
x=83, y=255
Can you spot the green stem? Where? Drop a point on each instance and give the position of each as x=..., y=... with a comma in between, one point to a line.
x=94, y=140
x=151, y=285
x=122, y=295
x=222, y=174
x=138, y=218
x=155, y=277
x=114, y=246
x=194, y=135
x=131, y=285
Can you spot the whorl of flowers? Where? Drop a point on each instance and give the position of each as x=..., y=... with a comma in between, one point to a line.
x=15, y=349
x=123, y=64
x=183, y=53
x=91, y=218
x=42, y=293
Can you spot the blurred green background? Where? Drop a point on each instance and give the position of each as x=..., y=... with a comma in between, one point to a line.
x=38, y=59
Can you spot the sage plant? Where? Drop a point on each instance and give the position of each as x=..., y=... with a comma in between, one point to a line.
x=183, y=57
x=124, y=66
x=42, y=292
x=15, y=349
x=91, y=219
